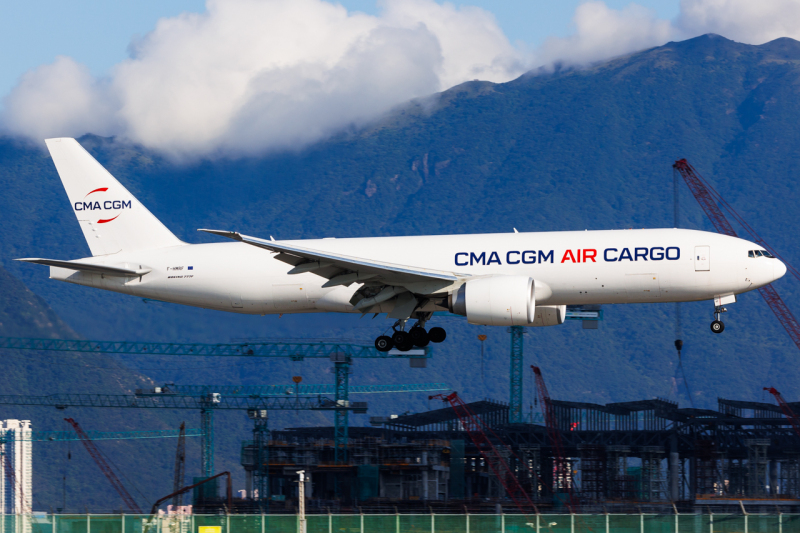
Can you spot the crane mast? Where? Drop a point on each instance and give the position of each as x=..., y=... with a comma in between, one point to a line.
x=710, y=200
x=787, y=411
x=104, y=467
x=561, y=470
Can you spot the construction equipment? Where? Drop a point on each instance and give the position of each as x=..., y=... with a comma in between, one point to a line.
x=787, y=411
x=293, y=389
x=105, y=468
x=341, y=390
x=180, y=467
x=228, y=491
x=205, y=403
x=561, y=470
x=296, y=351
x=494, y=459
x=61, y=436
x=710, y=200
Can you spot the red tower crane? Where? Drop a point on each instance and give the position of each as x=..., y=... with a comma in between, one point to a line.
x=710, y=200
x=494, y=459
x=561, y=470
x=104, y=467
x=787, y=411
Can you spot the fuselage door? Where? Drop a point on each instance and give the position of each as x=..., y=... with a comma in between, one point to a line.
x=702, y=258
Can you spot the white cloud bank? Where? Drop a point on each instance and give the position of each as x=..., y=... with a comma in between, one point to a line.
x=249, y=76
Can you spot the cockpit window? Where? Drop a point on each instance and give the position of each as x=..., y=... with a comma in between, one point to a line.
x=760, y=253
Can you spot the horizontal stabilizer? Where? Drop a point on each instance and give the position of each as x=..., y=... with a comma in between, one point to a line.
x=87, y=267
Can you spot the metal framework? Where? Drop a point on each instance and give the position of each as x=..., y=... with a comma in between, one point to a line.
x=207, y=441
x=515, y=392
x=717, y=453
x=60, y=436
x=104, y=467
x=123, y=401
x=180, y=468
x=297, y=351
x=497, y=460
x=561, y=471
x=261, y=443
x=302, y=389
x=342, y=371
x=205, y=403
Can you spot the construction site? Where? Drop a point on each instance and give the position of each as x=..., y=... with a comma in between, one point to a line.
x=646, y=457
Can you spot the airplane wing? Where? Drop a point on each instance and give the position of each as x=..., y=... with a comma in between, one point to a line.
x=343, y=269
x=87, y=267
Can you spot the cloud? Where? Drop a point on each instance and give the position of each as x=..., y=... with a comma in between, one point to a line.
x=62, y=96
x=747, y=21
x=252, y=76
x=602, y=32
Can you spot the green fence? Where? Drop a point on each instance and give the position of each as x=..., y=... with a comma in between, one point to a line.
x=403, y=523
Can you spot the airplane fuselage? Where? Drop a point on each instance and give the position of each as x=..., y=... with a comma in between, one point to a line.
x=570, y=268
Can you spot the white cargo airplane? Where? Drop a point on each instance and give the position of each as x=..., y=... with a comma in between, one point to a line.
x=524, y=279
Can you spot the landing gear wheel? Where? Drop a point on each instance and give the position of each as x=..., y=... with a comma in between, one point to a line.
x=419, y=336
x=717, y=326
x=402, y=341
x=384, y=343
x=437, y=335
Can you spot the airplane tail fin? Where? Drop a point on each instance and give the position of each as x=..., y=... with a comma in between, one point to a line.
x=111, y=218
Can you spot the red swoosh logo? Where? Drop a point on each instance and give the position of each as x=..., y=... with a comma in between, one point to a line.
x=107, y=220
x=101, y=189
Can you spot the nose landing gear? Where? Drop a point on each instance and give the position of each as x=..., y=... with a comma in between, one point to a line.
x=404, y=341
x=717, y=326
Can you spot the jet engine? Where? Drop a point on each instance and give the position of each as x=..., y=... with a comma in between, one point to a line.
x=505, y=301
x=496, y=301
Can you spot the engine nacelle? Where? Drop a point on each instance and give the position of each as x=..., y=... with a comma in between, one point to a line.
x=496, y=301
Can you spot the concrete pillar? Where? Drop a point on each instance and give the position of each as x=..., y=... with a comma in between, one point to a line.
x=425, y=484
x=248, y=483
x=674, y=470
x=773, y=478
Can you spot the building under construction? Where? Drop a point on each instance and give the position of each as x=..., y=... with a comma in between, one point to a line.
x=620, y=457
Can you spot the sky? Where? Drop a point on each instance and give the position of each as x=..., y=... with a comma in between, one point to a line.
x=97, y=32
x=213, y=78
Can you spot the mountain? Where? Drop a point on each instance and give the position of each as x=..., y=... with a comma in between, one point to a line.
x=565, y=150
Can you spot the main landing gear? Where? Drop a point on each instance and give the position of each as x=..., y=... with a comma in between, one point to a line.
x=406, y=340
x=717, y=326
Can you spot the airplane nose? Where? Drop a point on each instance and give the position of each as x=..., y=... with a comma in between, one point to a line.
x=778, y=269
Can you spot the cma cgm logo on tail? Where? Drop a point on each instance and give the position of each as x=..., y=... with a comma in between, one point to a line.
x=98, y=203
